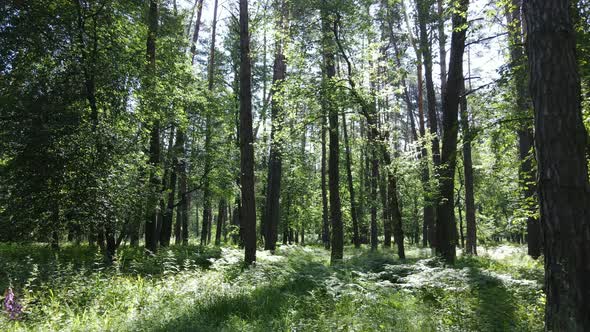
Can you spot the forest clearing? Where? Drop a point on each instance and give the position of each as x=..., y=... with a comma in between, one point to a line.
x=295, y=165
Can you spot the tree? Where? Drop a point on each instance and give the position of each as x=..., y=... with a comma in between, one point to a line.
x=248, y=215
x=273, y=191
x=329, y=72
x=471, y=247
x=560, y=145
x=426, y=50
x=356, y=240
x=445, y=223
x=525, y=133
x=151, y=226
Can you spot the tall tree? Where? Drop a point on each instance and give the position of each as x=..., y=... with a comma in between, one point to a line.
x=353, y=204
x=221, y=217
x=471, y=247
x=273, y=191
x=324, y=180
x=560, y=145
x=248, y=215
x=328, y=50
x=424, y=14
x=207, y=210
x=445, y=228
x=166, y=227
x=151, y=226
x=525, y=133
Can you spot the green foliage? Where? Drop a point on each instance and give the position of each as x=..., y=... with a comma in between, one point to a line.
x=190, y=288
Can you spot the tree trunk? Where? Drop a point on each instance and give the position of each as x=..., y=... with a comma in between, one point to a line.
x=446, y=239
x=374, y=178
x=151, y=236
x=527, y=174
x=328, y=49
x=248, y=217
x=385, y=210
x=394, y=204
x=207, y=212
x=166, y=229
x=560, y=145
x=353, y=207
x=325, y=218
x=273, y=191
x=221, y=214
x=468, y=172
x=425, y=48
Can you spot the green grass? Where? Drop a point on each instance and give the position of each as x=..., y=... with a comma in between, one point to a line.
x=207, y=289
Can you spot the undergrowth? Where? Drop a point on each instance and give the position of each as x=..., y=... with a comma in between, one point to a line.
x=206, y=289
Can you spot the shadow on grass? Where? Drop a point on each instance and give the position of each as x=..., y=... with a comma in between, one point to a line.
x=264, y=309
x=495, y=304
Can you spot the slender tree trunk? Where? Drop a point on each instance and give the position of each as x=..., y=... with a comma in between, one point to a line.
x=248, y=217
x=525, y=133
x=151, y=236
x=353, y=206
x=221, y=215
x=207, y=210
x=328, y=50
x=560, y=144
x=275, y=157
x=445, y=228
x=468, y=173
x=325, y=217
x=374, y=178
x=385, y=210
x=166, y=229
x=393, y=204
x=423, y=15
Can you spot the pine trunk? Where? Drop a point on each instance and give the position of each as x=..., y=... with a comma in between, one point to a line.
x=248, y=215
x=446, y=239
x=273, y=191
x=560, y=145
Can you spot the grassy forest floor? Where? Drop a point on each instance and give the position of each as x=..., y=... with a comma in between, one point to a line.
x=206, y=289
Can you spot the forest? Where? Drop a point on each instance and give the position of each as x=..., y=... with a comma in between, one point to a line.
x=294, y=165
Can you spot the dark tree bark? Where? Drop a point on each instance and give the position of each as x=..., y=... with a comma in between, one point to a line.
x=248, y=217
x=374, y=178
x=325, y=213
x=426, y=50
x=166, y=229
x=273, y=192
x=221, y=215
x=468, y=173
x=525, y=133
x=182, y=215
x=393, y=206
x=207, y=212
x=328, y=50
x=446, y=239
x=387, y=229
x=353, y=205
x=151, y=236
x=560, y=145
